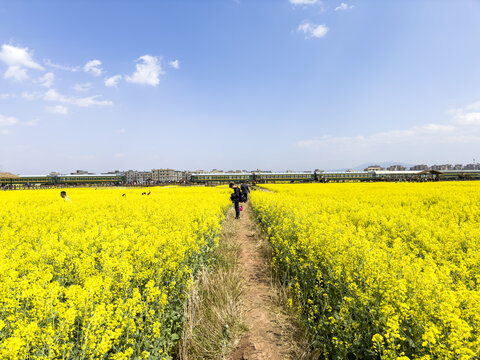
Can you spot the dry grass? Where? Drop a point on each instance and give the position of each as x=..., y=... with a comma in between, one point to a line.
x=300, y=346
x=213, y=315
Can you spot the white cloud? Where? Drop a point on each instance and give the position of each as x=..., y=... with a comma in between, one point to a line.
x=7, y=120
x=467, y=118
x=174, y=64
x=424, y=134
x=82, y=87
x=57, y=109
x=475, y=106
x=7, y=96
x=303, y=2
x=113, y=81
x=344, y=6
x=33, y=122
x=147, y=72
x=121, y=131
x=31, y=95
x=470, y=115
x=16, y=73
x=62, y=67
x=46, y=80
x=53, y=95
x=312, y=30
x=18, y=60
x=93, y=67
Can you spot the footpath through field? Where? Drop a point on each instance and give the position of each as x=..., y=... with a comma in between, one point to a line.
x=270, y=331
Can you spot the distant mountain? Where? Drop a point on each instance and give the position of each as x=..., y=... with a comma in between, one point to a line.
x=384, y=164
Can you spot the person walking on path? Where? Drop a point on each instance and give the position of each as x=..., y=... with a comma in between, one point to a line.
x=235, y=197
x=245, y=190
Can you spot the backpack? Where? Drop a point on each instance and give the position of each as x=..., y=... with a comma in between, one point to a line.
x=234, y=196
x=243, y=197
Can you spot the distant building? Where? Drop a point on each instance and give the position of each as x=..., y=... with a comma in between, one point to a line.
x=397, y=168
x=167, y=176
x=179, y=175
x=420, y=167
x=144, y=177
x=163, y=175
x=441, y=167
x=374, y=168
x=472, y=167
x=131, y=176
x=187, y=175
x=458, y=167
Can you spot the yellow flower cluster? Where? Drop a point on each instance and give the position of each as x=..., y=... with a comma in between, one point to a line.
x=103, y=276
x=384, y=270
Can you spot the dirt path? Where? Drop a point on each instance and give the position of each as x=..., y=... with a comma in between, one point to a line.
x=270, y=333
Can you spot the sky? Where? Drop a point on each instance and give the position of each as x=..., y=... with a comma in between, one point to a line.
x=237, y=84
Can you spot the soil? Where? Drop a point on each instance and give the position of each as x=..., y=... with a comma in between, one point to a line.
x=271, y=334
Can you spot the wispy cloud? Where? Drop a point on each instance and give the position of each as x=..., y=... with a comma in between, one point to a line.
x=7, y=96
x=344, y=6
x=121, y=131
x=7, y=120
x=18, y=60
x=57, y=109
x=93, y=67
x=113, y=81
x=174, y=64
x=82, y=87
x=61, y=67
x=31, y=95
x=430, y=133
x=303, y=2
x=463, y=127
x=46, y=80
x=312, y=30
x=33, y=122
x=148, y=71
x=53, y=95
x=470, y=115
x=5, y=123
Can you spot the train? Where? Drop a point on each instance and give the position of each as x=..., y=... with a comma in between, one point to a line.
x=59, y=180
x=253, y=177
x=334, y=176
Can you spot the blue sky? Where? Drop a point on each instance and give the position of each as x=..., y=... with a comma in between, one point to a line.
x=237, y=84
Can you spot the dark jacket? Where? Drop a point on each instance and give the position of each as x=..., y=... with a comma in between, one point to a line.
x=236, y=194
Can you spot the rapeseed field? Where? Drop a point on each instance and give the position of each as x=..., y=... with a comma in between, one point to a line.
x=380, y=271
x=102, y=276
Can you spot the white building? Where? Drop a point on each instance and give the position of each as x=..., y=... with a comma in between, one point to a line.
x=138, y=177
x=167, y=175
